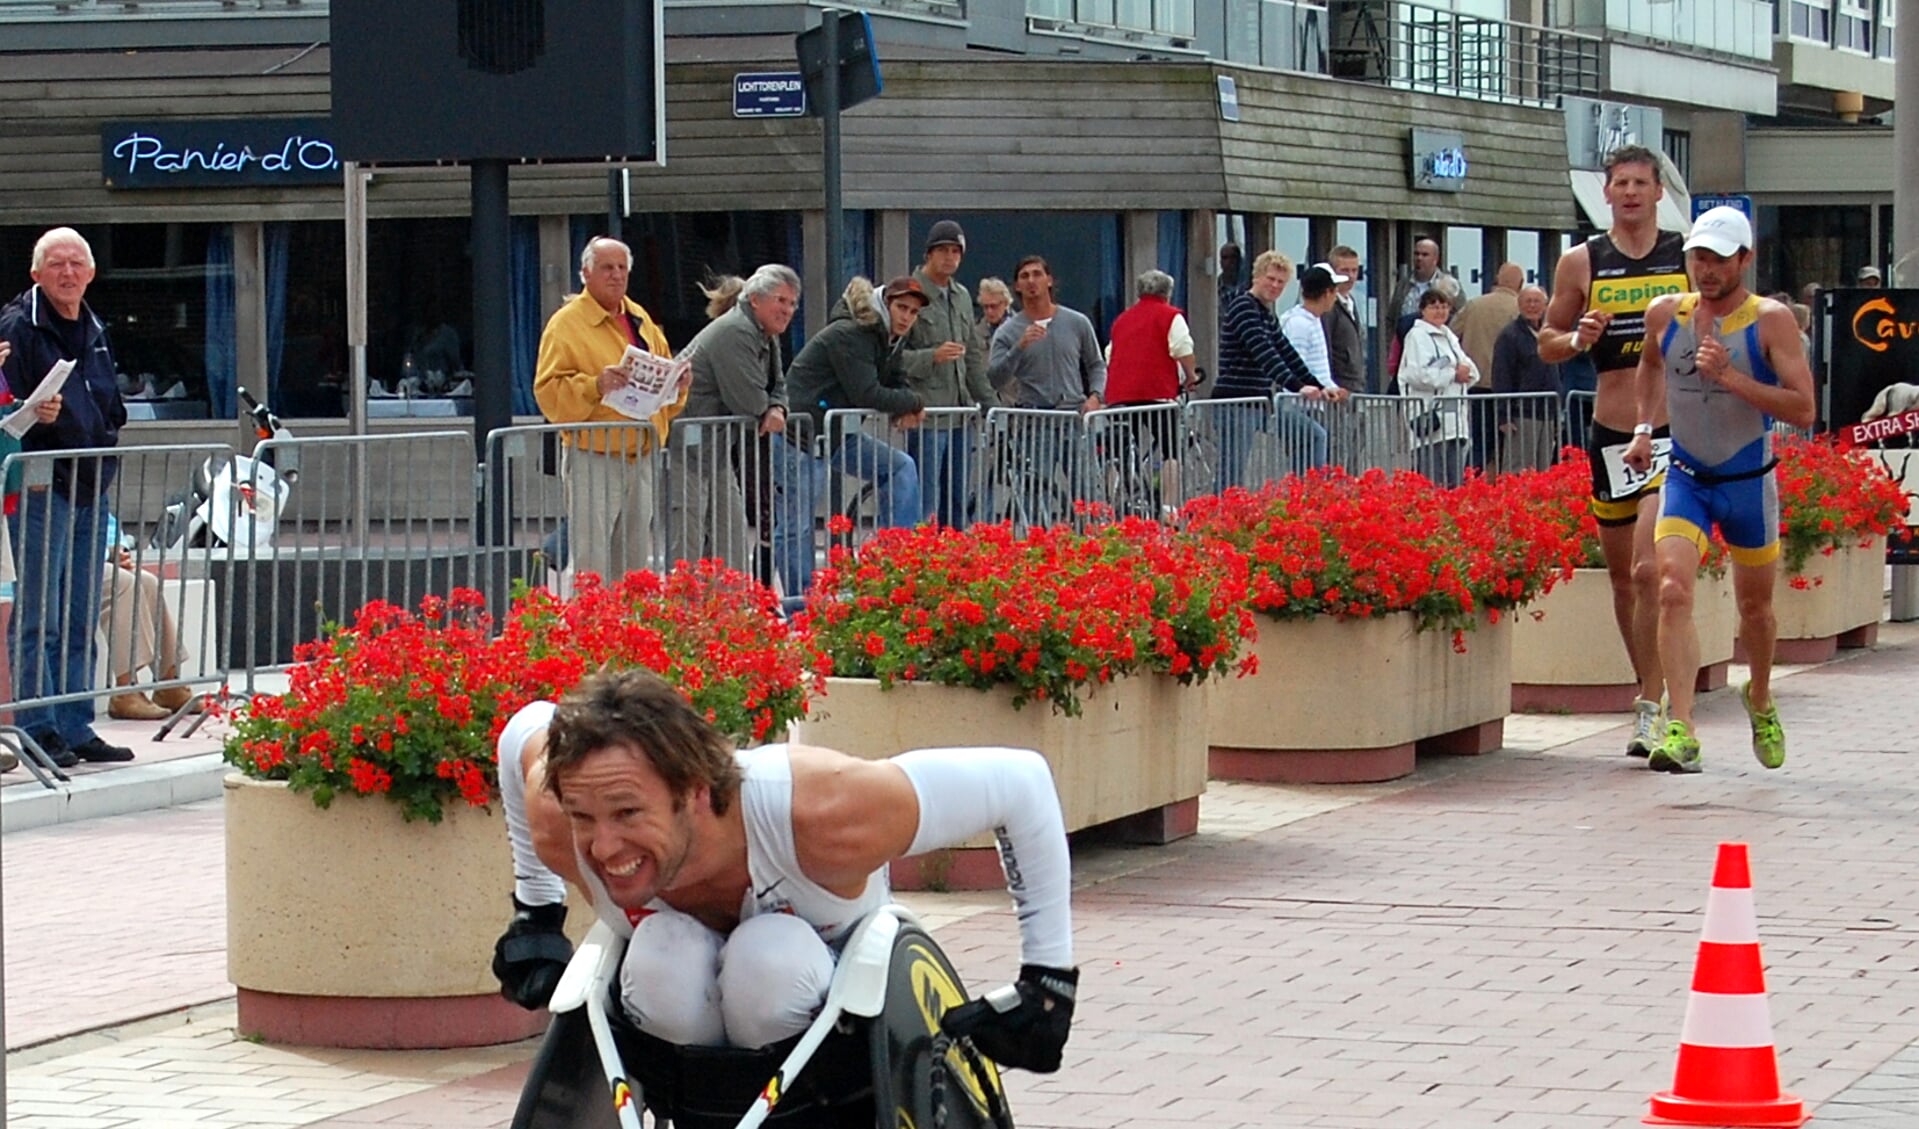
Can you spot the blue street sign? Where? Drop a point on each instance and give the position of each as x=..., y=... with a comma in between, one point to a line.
x=769, y=94
x=1701, y=204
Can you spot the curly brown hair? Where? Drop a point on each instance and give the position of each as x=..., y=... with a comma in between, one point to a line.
x=638, y=711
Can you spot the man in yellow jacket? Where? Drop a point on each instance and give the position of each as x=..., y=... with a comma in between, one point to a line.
x=608, y=468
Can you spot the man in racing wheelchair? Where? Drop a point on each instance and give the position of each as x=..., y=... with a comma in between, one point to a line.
x=749, y=891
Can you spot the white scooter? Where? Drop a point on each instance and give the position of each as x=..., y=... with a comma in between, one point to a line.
x=234, y=500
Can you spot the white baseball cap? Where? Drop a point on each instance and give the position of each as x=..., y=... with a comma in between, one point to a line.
x=1338, y=278
x=1723, y=231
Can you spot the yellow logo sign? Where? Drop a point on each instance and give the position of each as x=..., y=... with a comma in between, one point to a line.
x=1876, y=333
x=935, y=992
x=1634, y=295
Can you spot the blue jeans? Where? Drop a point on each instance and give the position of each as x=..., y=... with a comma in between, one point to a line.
x=945, y=460
x=60, y=552
x=1302, y=440
x=800, y=482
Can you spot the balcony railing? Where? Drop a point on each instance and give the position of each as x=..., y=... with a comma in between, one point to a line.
x=1738, y=28
x=107, y=9
x=1415, y=47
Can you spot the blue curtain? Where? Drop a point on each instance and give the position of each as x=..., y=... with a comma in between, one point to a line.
x=523, y=331
x=222, y=342
x=1114, y=287
x=278, y=235
x=1172, y=252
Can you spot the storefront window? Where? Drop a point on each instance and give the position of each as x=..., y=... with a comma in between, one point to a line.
x=673, y=253
x=311, y=367
x=151, y=287
x=1083, y=250
x=1826, y=244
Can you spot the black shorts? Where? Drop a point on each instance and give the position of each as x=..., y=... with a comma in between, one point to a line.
x=1622, y=510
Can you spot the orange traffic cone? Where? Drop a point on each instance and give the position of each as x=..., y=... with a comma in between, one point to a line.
x=1727, y=1073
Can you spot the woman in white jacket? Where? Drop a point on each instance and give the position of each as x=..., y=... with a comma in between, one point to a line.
x=1435, y=372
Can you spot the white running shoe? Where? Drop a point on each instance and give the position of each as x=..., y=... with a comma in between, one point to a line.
x=1648, y=727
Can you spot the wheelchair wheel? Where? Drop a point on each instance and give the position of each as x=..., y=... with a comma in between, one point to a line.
x=921, y=1078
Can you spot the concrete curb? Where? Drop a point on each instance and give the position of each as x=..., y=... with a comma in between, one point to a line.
x=136, y=788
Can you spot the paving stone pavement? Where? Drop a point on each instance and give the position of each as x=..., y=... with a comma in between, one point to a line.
x=1497, y=941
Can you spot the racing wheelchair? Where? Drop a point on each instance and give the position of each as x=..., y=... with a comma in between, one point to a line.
x=874, y=1058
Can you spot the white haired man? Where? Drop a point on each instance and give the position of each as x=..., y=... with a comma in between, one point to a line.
x=609, y=480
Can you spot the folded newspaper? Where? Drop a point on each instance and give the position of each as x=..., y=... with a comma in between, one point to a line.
x=652, y=382
x=23, y=417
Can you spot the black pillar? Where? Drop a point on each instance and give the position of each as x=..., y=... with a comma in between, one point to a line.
x=492, y=312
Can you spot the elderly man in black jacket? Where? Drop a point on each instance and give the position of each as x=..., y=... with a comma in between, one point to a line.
x=854, y=363
x=1527, y=435
x=59, y=531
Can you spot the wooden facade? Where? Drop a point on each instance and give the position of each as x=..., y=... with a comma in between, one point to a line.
x=989, y=133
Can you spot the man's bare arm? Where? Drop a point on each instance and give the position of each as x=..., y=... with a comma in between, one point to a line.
x=1570, y=282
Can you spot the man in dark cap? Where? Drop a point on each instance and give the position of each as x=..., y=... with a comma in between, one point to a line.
x=853, y=363
x=944, y=362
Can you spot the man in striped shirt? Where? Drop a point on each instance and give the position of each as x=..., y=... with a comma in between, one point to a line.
x=1257, y=360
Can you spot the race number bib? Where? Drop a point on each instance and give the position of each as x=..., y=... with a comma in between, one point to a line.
x=1623, y=481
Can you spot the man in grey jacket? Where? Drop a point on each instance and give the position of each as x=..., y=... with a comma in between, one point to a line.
x=944, y=362
x=736, y=372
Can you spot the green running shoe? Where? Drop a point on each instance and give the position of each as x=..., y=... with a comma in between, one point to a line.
x=1768, y=736
x=1678, y=753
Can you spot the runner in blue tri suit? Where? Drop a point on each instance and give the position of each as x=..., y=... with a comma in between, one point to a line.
x=1724, y=363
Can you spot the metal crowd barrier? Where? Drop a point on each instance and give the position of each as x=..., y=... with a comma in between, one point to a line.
x=251, y=556
x=568, y=498
x=105, y=597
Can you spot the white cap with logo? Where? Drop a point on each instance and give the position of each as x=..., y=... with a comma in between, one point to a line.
x=1723, y=230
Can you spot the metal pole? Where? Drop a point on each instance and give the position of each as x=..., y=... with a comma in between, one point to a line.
x=1903, y=270
x=616, y=204
x=830, y=165
x=356, y=181
x=492, y=313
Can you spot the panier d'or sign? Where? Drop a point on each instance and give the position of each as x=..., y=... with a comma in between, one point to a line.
x=1438, y=160
x=230, y=153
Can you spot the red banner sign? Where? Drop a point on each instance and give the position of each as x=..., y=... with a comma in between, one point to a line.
x=1874, y=432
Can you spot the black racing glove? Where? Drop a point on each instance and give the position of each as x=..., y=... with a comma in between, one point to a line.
x=529, y=957
x=1023, y=1024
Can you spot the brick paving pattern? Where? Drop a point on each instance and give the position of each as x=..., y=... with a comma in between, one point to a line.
x=1499, y=941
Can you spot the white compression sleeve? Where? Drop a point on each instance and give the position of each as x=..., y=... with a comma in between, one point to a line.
x=533, y=882
x=969, y=792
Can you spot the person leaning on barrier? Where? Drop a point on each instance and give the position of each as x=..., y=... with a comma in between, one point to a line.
x=140, y=635
x=853, y=363
x=609, y=485
x=737, y=371
x=1345, y=336
x=1047, y=353
x=1257, y=360
x=945, y=363
x=1150, y=360
x=1526, y=440
x=1434, y=369
x=58, y=531
x=735, y=873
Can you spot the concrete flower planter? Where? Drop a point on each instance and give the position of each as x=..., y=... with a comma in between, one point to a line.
x=1349, y=701
x=1132, y=764
x=1839, y=607
x=1567, y=655
x=349, y=927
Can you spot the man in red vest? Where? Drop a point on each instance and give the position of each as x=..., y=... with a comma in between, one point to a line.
x=1150, y=361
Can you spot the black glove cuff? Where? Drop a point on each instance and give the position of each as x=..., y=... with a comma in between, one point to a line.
x=547, y=918
x=1061, y=982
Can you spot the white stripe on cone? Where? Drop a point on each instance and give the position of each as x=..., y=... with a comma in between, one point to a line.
x=1714, y=1020
x=1730, y=918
